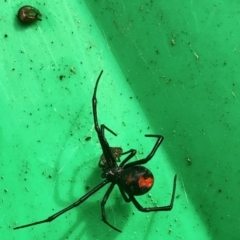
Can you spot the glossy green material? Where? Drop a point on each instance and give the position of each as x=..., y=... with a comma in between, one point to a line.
x=170, y=68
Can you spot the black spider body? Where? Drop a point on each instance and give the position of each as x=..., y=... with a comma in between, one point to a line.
x=132, y=178
x=136, y=180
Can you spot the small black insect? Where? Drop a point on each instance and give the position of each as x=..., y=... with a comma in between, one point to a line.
x=132, y=178
x=28, y=14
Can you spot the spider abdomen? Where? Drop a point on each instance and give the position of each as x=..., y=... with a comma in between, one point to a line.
x=136, y=180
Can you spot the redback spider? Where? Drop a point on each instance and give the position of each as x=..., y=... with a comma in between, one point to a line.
x=132, y=178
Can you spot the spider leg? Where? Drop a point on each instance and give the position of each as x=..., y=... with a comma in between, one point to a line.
x=94, y=104
x=105, y=127
x=151, y=154
x=124, y=195
x=156, y=209
x=105, y=198
x=132, y=154
x=110, y=160
x=75, y=204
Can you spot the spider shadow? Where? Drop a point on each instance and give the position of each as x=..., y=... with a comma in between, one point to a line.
x=89, y=212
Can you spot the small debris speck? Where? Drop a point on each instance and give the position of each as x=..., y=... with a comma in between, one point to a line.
x=61, y=77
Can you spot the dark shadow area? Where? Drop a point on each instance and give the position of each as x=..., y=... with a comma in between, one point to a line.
x=89, y=212
x=186, y=84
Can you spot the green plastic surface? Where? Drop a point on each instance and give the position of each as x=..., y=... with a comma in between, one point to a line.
x=170, y=68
